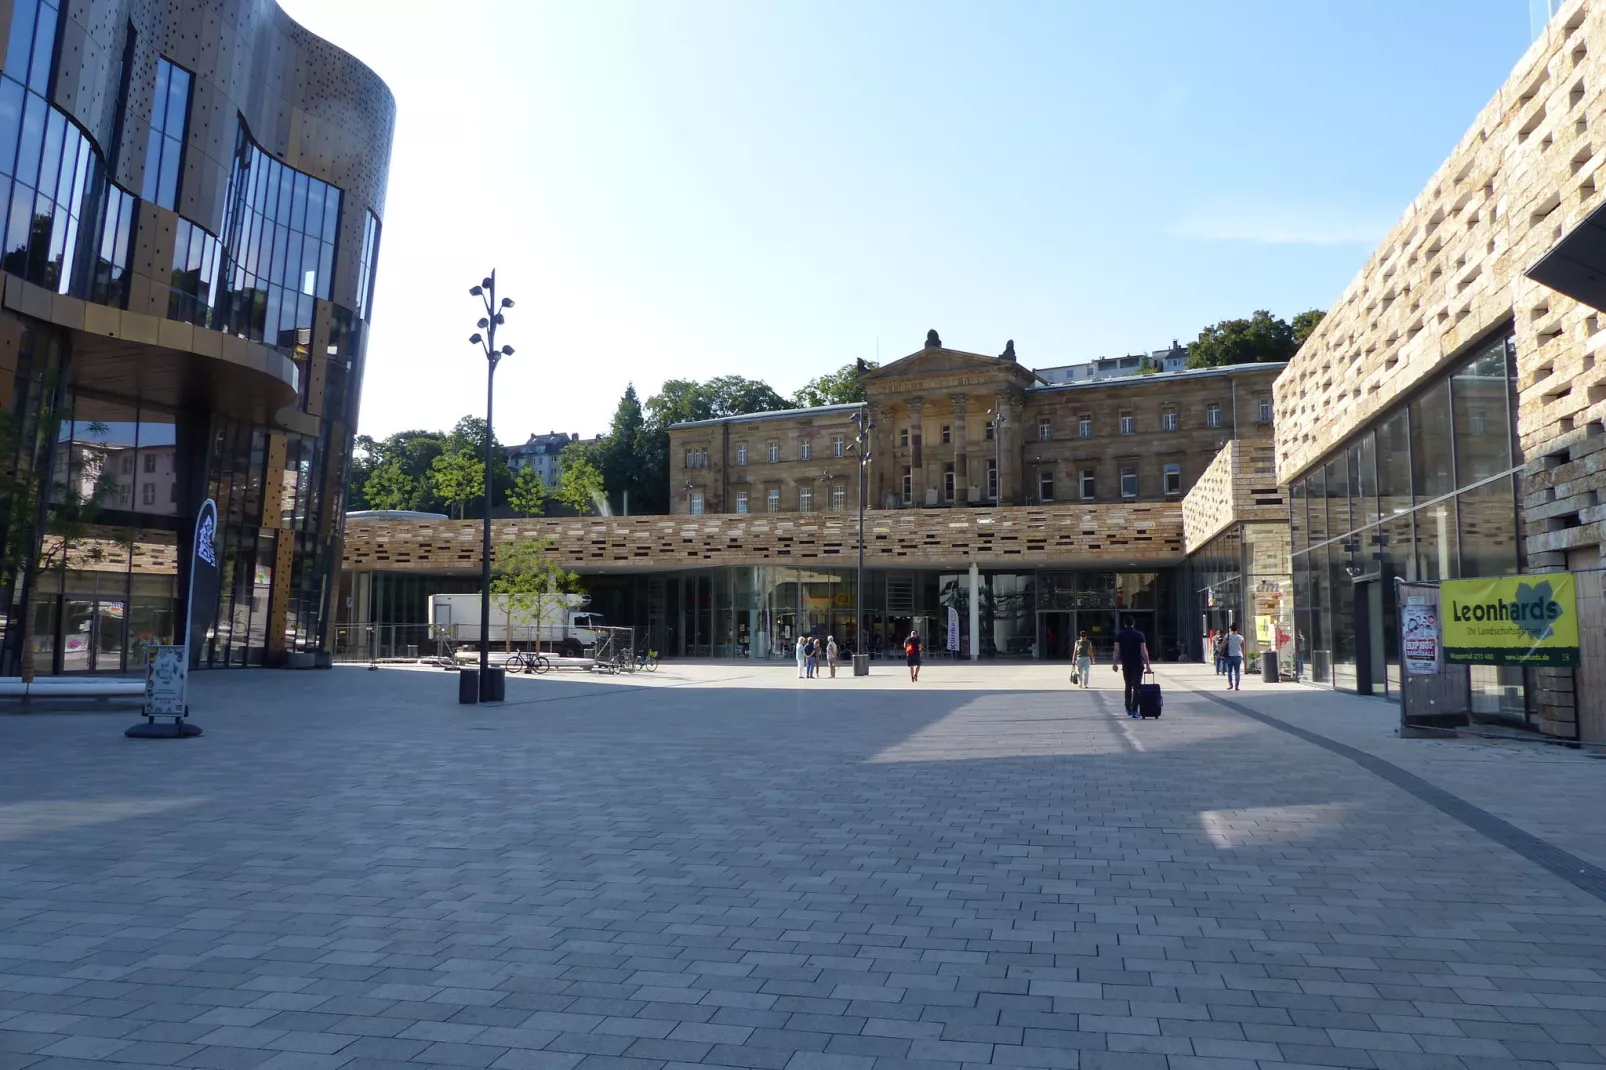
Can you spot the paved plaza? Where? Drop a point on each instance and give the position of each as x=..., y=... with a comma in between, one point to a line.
x=722, y=865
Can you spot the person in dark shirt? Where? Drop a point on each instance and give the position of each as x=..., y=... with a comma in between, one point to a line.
x=1131, y=660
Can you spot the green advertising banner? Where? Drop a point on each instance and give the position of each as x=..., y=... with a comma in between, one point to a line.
x=1510, y=620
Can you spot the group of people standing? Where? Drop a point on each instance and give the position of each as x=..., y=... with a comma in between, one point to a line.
x=1228, y=648
x=814, y=656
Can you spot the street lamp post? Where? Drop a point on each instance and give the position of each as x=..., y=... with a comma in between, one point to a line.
x=861, y=446
x=999, y=420
x=486, y=292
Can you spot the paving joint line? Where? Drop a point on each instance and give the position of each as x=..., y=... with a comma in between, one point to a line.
x=1582, y=875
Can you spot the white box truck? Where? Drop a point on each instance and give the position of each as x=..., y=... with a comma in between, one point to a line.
x=564, y=625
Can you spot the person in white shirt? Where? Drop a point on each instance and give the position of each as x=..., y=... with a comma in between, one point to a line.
x=1235, y=659
x=802, y=656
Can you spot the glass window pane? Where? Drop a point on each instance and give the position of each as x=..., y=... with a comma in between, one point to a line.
x=164, y=72
x=1316, y=505
x=50, y=159
x=298, y=204
x=1394, y=464
x=1437, y=555
x=178, y=101
x=167, y=184
x=33, y=137
x=1479, y=392
x=44, y=49
x=1364, y=489
x=1432, y=470
x=331, y=213
x=10, y=123
x=20, y=42
x=1488, y=529
x=1296, y=516
x=1338, y=515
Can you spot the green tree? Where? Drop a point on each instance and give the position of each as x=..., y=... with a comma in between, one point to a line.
x=1305, y=324
x=580, y=487
x=390, y=487
x=527, y=496
x=682, y=400
x=531, y=583
x=841, y=387
x=1259, y=339
x=457, y=477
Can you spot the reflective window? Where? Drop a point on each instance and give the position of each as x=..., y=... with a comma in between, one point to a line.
x=30, y=47
x=365, y=267
x=1173, y=479
x=839, y=497
x=1363, y=488
x=805, y=499
x=196, y=275
x=1394, y=464
x=741, y=501
x=1488, y=536
x=1479, y=391
x=1129, y=481
x=696, y=503
x=164, y=149
x=1432, y=466
x=772, y=501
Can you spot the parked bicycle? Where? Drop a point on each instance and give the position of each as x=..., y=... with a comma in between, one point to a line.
x=647, y=659
x=530, y=661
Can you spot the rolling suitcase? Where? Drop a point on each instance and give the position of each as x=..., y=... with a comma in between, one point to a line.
x=1150, y=700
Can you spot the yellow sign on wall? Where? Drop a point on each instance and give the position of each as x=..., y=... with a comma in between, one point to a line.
x=1510, y=620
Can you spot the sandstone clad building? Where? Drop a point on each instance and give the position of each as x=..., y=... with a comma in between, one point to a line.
x=193, y=195
x=1445, y=420
x=1057, y=518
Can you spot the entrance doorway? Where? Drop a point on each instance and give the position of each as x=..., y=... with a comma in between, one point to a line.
x=92, y=634
x=1371, y=657
x=1056, y=632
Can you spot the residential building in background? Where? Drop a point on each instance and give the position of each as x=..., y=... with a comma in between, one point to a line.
x=193, y=198
x=540, y=454
x=1174, y=359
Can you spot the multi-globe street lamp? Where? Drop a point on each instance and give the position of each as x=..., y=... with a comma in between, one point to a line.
x=486, y=292
x=861, y=447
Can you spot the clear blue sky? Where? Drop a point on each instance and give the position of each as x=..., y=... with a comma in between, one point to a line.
x=689, y=189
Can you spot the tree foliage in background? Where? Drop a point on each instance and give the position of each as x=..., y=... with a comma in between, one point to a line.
x=580, y=486
x=841, y=387
x=527, y=496
x=531, y=582
x=430, y=471
x=1262, y=338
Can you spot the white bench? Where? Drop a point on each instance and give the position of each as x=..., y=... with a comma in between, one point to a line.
x=71, y=687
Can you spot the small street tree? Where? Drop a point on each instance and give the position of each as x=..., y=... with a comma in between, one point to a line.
x=580, y=487
x=527, y=496
x=531, y=583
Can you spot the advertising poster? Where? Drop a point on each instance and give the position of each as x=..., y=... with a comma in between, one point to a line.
x=953, y=628
x=1419, y=631
x=1510, y=620
x=164, y=681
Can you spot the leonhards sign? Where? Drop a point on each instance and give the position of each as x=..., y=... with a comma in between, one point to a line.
x=1510, y=620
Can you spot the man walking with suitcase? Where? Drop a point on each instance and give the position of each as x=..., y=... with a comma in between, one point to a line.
x=1131, y=660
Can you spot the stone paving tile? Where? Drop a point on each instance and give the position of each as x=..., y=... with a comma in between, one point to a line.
x=349, y=871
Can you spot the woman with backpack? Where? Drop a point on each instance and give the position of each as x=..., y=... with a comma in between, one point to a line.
x=911, y=654
x=1084, y=660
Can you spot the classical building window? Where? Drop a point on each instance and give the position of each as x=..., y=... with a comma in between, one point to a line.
x=1213, y=414
x=839, y=445
x=805, y=499
x=696, y=503
x=1087, y=487
x=1045, y=429
x=150, y=463
x=697, y=457
x=149, y=493
x=947, y=434
x=839, y=497
x=1168, y=418
x=1265, y=410
x=988, y=433
x=164, y=151
x=775, y=452
x=903, y=438
x=804, y=450
x=908, y=486
x=1084, y=425
x=1129, y=423
x=1173, y=479
x=772, y=500
x=1129, y=481
x=741, y=453
x=948, y=482
x=992, y=480
x=1045, y=486
x=741, y=501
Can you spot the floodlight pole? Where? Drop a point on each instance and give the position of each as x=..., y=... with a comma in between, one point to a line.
x=486, y=292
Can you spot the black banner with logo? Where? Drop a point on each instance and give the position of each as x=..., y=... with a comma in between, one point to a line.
x=203, y=582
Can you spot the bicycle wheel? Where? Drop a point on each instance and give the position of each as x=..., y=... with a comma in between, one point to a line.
x=651, y=664
x=542, y=665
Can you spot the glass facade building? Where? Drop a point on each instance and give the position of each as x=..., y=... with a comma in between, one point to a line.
x=180, y=324
x=1429, y=491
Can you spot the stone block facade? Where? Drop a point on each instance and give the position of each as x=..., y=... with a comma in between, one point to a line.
x=1111, y=535
x=1240, y=484
x=937, y=440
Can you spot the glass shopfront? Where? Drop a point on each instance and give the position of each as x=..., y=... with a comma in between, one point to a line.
x=1427, y=492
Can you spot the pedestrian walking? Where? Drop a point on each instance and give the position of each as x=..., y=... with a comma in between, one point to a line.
x=1084, y=660
x=1221, y=653
x=831, y=654
x=911, y=654
x=801, y=657
x=1131, y=660
x=1234, y=645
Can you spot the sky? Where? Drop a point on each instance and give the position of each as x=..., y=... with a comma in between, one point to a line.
x=690, y=188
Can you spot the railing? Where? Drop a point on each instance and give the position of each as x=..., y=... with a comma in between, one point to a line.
x=387, y=642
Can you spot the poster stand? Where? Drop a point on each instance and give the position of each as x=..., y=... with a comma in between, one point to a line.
x=167, y=667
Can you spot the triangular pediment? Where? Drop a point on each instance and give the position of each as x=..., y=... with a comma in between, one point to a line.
x=935, y=363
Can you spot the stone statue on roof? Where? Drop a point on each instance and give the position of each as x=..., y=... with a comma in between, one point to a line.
x=932, y=341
